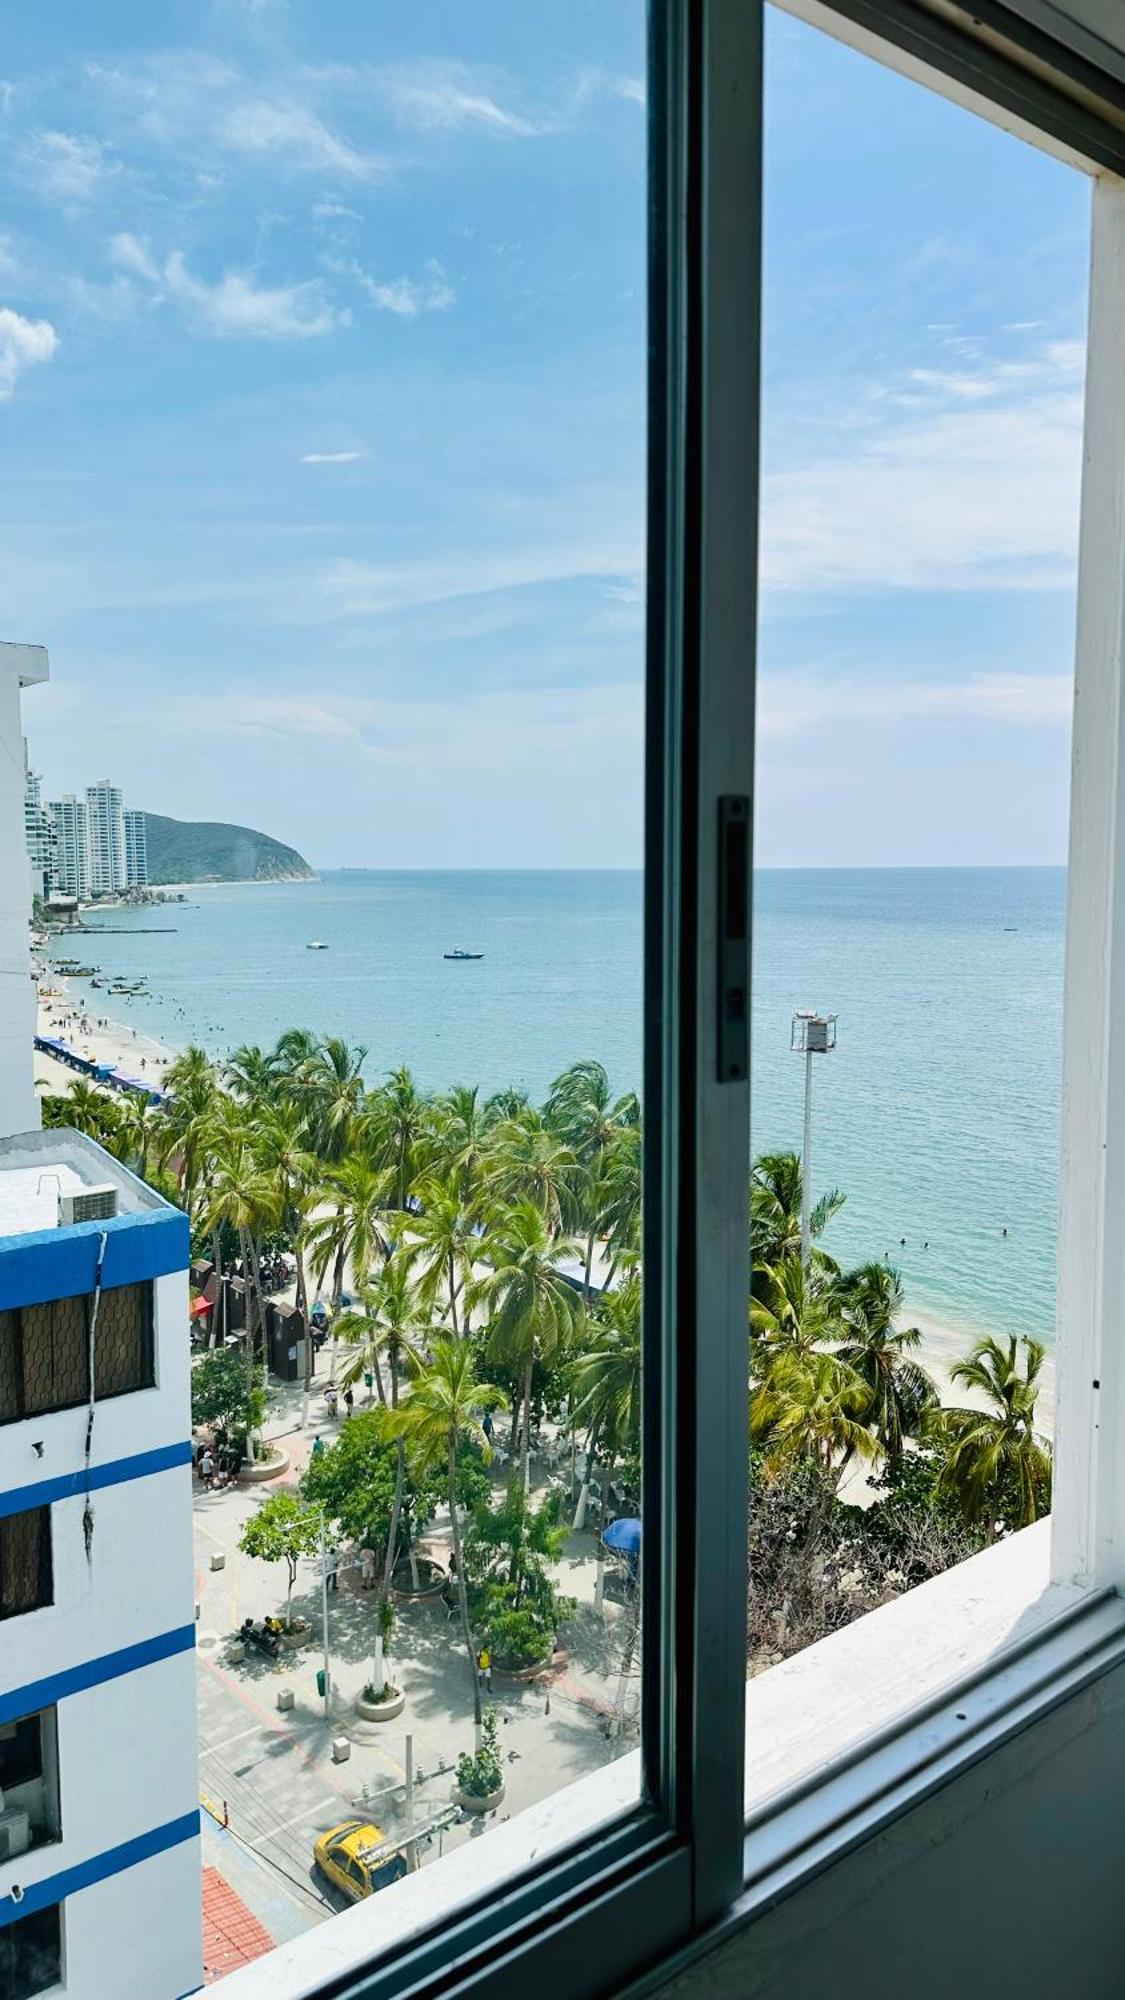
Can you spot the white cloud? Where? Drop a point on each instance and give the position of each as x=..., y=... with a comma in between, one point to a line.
x=795, y=704
x=347, y=588
x=443, y=97
x=409, y=296
x=235, y=304
x=943, y=480
x=331, y=457
x=297, y=136
x=68, y=167
x=23, y=342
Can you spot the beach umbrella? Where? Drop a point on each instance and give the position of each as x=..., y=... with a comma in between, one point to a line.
x=624, y=1536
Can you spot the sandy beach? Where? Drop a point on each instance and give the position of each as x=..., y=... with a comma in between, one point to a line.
x=97, y=1036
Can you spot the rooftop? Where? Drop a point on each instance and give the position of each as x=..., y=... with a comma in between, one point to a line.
x=36, y=1167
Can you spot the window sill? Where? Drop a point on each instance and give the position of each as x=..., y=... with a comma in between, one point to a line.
x=484, y=1867
x=808, y=1712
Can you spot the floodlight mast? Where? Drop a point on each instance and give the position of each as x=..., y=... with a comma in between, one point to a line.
x=810, y=1035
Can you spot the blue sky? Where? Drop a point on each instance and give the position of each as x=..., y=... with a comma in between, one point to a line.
x=322, y=425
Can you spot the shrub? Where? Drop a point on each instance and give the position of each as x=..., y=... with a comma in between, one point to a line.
x=481, y=1774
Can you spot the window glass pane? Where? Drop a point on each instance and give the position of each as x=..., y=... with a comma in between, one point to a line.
x=25, y=1561
x=338, y=352
x=31, y=1954
x=924, y=332
x=123, y=1357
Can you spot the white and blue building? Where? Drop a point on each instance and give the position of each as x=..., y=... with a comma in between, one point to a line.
x=99, y=1822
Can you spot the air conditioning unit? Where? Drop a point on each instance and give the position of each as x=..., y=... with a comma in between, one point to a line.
x=88, y=1204
x=15, y=1833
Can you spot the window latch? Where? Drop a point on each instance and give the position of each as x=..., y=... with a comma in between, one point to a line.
x=733, y=1041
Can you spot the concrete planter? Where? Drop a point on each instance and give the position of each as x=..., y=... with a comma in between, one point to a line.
x=272, y=1463
x=518, y=1676
x=472, y=1802
x=401, y=1589
x=380, y=1711
x=291, y=1642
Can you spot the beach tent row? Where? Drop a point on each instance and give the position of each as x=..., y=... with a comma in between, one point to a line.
x=53, y=1045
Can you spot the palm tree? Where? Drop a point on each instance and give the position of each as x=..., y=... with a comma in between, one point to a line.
x=398, y=1120
x=793, y=1308
x=582, y=1110
x=443, y=1411
x=880, y=1353
x=241, y=1196
x=138, y=1130
x=445, y=1243
x=252, y=1074
x=352, y=1232
x=528, y=1163
x=996, y=1465
x=281, y=1144
x=392, y=1320
x=191, y=1094
x=619, y=1216
x=89, y=1110
x=461, y=1132
x=812, y=1406
x=775, y=1208
x=532, y=1308
x=330, y=1082
x=605, y=1382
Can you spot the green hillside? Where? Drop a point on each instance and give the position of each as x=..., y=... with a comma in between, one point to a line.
x=183, y=850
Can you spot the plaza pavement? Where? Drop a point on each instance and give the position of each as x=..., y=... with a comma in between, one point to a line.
x=269, y=1785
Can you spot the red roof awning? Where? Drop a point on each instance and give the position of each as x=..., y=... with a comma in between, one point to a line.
x=200, y=1308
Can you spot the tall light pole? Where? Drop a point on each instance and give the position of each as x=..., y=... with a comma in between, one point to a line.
x=810, y=1035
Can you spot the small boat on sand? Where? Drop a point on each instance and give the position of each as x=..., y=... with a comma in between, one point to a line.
x=316, y=945
x=462, y=954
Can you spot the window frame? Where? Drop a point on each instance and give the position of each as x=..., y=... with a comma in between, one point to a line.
x=644, y=1896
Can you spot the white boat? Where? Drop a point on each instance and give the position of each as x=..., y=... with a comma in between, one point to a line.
x=315, y=945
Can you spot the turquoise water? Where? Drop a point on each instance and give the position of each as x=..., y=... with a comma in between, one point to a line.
x=938, y=1113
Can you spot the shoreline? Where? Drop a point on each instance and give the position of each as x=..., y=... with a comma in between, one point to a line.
x=944, y=1342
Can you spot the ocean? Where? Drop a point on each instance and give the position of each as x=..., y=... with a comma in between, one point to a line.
x=937, y=1114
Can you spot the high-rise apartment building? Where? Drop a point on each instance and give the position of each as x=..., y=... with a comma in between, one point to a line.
x=136, y=849
x=38, y=829
x=71, y=846
x=105, y=823
x=20, y=667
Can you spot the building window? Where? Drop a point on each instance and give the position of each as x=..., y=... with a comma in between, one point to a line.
x=31, y=1954
x=29, y=1787
x=26, y=1578
x=45, y=1350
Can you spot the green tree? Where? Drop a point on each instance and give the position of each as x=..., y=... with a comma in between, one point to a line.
x=511, y=1551
x=775, y=1208
x=223, y=1397
x=997, y=1468
x=444, y=1244
x=532, y=1309
x=811, y=1406
x=529, y=1163
x=283, y=1530
x=353, y=1232
x=442, y=1412
x=881, y=1354
x=794, y=1308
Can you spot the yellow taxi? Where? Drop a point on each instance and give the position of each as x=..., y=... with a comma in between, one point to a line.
x=353, y=1857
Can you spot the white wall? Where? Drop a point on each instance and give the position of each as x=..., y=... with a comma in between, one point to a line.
x=1006, y=1881
x=138, y=1583
x=138, y=1936
x=19, y=1109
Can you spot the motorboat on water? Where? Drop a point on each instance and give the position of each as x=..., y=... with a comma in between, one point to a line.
x=315, y=945
x=462, y=954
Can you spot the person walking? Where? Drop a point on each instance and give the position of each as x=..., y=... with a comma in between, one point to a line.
x=349, y=1399
x=207, y=1467
x=484, y=1668
x=331, y=1566
x=367, y=1568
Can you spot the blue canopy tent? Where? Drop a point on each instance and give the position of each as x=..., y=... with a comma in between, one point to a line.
x=624, y=1536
